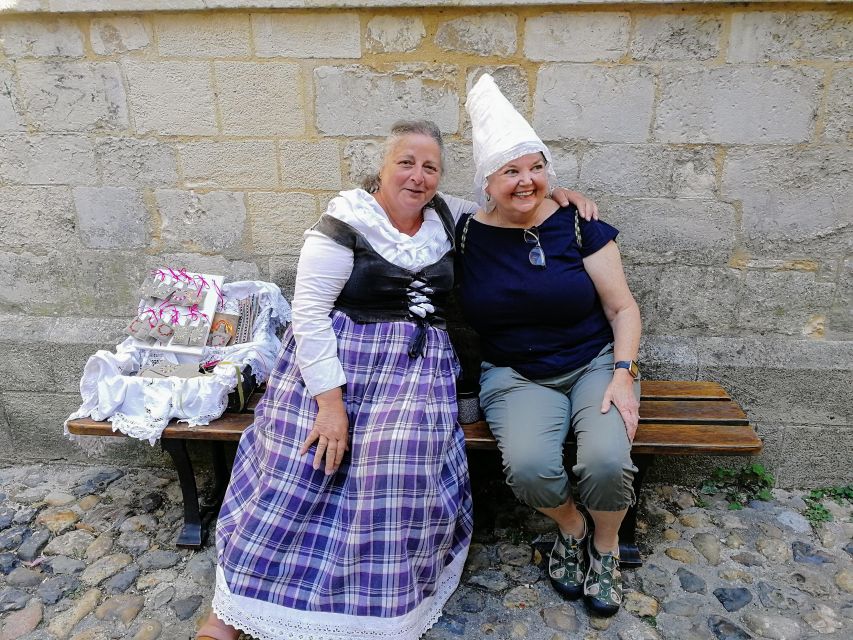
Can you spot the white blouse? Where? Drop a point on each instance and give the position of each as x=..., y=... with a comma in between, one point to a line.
x=325, y=266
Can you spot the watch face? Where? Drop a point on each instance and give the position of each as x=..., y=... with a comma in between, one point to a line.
x=634, y=370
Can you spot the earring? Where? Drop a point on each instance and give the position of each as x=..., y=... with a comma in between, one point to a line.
x=488, y=197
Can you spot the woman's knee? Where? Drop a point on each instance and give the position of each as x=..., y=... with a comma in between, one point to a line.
x=536, y=483
x=606, y=483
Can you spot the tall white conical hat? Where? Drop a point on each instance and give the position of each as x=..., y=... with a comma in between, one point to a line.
x=500, y=133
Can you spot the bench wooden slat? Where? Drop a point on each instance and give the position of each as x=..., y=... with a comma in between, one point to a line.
x=684, y=439
x=681, y=390
x=692, y=411
x=659, y=438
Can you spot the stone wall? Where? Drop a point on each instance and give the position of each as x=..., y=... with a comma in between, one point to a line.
x=716, y=137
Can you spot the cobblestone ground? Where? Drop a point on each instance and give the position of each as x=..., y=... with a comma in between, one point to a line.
x=87, y=553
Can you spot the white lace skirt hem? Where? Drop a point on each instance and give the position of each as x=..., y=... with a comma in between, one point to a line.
x=267, y=621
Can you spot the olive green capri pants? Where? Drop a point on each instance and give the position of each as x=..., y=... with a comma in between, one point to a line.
x=531, y=419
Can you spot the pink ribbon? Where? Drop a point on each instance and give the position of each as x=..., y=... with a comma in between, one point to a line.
x=195, y=314
x=219, y=293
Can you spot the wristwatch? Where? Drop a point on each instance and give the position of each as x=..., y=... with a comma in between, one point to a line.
x=630, y=365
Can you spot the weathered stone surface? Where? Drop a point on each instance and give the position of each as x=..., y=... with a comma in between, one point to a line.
x=24, y=578
x=838, y=125
x=20, y=623
x=11, y=117
x=709, y=546
x=522, y=597
x=823, y=619
x=212, y=221
x=773, y=550
x=490, y=579
x=124, y=608
x=64, y=566
x=295, y=36
x=186, y=607
x=73, y=96
x=58, y=519
x=134, y=162
x=649, y=171
x=356, y=101
x=737, y=104
x=794, y=392
x=47, y=159
x=171, y=98
x=785, y=36
x=279, y=220
x=394, y=34
x=773, y=626
x=159, y=559
x=100, y=546
x=36, y=217
x=689, y=232
x=641, y=604
x=682, y=555
x=62, y=625
x=54, y=589
x=725, y=629
x=561, y=618
x=576, y=36
x=118, y=34
x=33, y=544
x=217, y=35
x=231, y=164
x=28, y=38
x=259, y=99
x=111, y=217
x=484, y=34
x=676, y=37
x=615, y=105
x=104, y=568
x=778, y=185
x=310, y=165
x=783, y=302
x=149, y=630
x=840, y=316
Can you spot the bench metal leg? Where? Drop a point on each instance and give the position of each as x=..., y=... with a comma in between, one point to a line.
x=629, y=553
x=192, y=533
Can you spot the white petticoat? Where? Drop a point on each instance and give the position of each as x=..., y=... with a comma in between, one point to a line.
x=266, y=621
x=142, y=407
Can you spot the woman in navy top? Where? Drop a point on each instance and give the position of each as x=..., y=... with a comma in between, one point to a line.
x=560, y=332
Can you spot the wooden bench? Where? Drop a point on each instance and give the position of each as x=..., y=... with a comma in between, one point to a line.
x=676, y=418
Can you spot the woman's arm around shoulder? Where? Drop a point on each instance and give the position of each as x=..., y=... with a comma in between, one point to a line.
x=605, y=269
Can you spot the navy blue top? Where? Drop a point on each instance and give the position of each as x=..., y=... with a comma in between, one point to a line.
x=541, y=322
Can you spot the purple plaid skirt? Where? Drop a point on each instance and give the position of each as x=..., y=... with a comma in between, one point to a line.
x=377, y=547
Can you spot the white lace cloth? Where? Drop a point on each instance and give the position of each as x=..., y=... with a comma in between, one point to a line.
x=265, y=621
x=142, y=407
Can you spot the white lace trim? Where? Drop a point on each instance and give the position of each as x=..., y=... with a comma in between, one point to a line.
x=266, y=621
x=360, y=210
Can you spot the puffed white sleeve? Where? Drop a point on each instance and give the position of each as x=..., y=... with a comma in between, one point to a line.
x=458, y=206
x=323, y=270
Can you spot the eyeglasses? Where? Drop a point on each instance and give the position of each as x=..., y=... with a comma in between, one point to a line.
x=536, y=255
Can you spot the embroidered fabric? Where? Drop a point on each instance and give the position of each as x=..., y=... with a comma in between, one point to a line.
x=266, y=621
x=142, y=407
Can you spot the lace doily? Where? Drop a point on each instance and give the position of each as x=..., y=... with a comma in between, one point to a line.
x=142, y=407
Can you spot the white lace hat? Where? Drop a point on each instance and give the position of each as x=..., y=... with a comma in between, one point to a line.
x=500, y=134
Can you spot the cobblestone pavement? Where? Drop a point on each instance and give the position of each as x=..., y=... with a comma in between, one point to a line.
x=87, y=553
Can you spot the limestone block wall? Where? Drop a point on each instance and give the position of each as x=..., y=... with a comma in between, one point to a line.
x=717, y=137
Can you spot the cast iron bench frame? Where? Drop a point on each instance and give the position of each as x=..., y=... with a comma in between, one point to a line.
x=676, y=418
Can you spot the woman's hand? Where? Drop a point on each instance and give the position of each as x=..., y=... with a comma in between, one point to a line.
x=620, y=392
x=330, y=431
x=587, y=208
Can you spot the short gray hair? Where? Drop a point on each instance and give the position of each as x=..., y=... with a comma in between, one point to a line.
x=400, y=130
